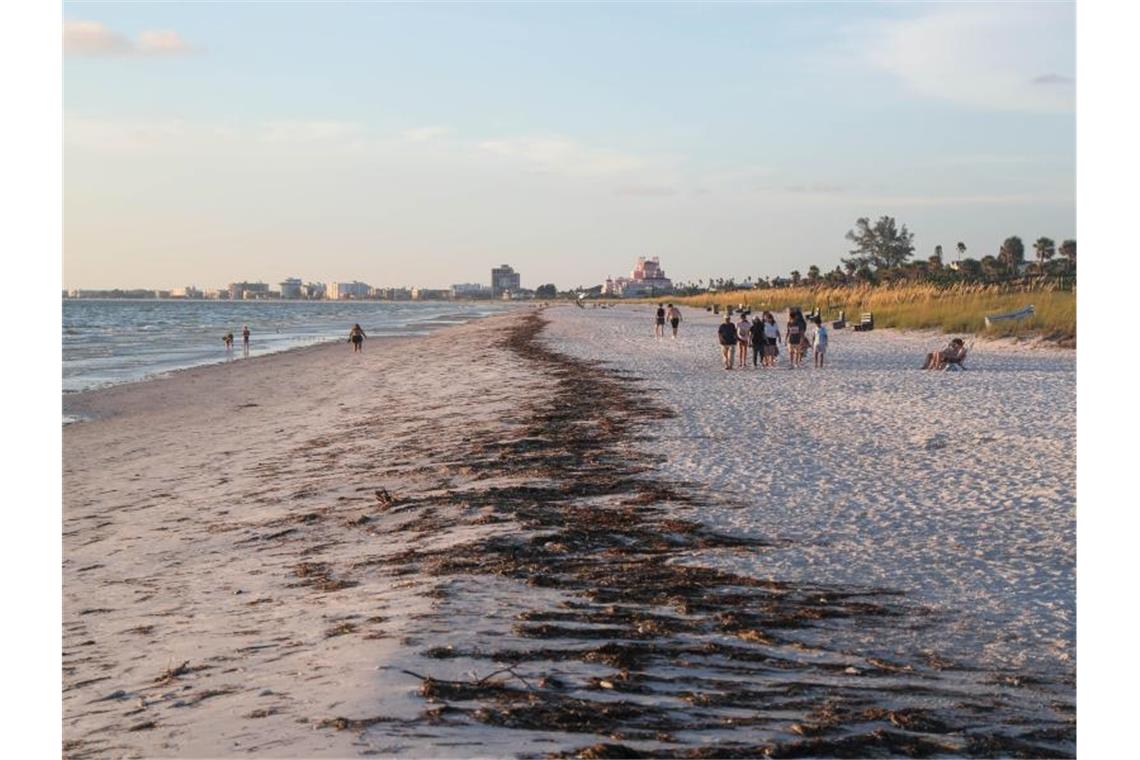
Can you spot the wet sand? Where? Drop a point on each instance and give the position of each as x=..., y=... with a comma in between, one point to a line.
x=468, y=544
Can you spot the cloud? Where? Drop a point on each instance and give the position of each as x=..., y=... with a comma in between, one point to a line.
x=816, y=189
x=311, y=131
x=92, y=39
x=423, y=134
x=646, y=191
x=988, y=56
x=162, y=42
x=558, y=155
x=1053, y=79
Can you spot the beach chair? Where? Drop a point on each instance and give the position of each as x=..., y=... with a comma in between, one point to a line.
x=866, y=322
x=958, y=365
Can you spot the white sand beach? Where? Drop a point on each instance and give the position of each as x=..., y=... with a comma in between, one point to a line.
x=592, y=537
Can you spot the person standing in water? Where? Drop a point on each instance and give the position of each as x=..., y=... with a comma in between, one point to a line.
x=659, y=322
x=228, y=339
x=726, y=334
x=245, y=340
x=356, y=336
x=674, y=316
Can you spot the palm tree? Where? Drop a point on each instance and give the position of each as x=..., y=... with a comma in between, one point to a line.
x=1012, y=253
x=961, y=250
x=1045, y=249
x=795, y=277
x=1069, y=251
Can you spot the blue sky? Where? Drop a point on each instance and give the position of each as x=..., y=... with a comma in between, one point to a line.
x=422, y=144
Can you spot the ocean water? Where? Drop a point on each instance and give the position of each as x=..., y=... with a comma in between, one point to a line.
x=106, y=342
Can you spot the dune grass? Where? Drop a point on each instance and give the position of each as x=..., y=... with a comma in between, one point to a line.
x=955, y=309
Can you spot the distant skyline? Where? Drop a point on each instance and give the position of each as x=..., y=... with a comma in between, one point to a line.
x=424, y=144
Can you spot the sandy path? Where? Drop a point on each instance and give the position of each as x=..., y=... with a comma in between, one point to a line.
x=958, y=488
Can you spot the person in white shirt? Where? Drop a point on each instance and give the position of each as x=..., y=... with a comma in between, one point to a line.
x=743, y=334
x=771, y=338
x=819, y=340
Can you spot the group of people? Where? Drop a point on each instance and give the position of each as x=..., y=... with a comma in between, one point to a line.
x=228, y=340
x=673, y=314
x=763, y=336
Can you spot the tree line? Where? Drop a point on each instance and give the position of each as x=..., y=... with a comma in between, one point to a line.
x=883, y=252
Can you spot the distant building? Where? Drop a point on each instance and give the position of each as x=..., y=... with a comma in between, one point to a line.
x=187, y=292
x=248, y=290
x=504, y=279
x=646, y=279
x=342, y=291
x=220, y=294
x=392, y=294
x=314, y=290
x=430, y=294
x=471, y=290
x=291, y=288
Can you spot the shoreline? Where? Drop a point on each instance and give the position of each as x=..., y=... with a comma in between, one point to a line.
x=343, y=555
x=74, y=401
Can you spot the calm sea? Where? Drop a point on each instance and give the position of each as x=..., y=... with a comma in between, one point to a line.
x=117, y=341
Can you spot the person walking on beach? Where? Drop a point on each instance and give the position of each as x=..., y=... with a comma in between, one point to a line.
x=743, y=336
x=674, y=316
x=659, y=322
x=756, y=338
x=356, y=336
x=771, y=338
x=819, y=340
x=794, y=336
x=726, y=334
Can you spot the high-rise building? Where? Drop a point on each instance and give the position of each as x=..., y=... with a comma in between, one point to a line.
x=240, y=290
x=291, y=288
x=504, y=279
x=340, y=291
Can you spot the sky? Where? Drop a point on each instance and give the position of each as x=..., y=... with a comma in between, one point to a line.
x=423, y=144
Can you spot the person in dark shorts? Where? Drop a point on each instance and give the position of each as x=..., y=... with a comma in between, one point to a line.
x=356, y=336
x=726, y=335
x=659, y=322
x=756, y=338
x=794, y=337
x=674, y=316
x=771, y=338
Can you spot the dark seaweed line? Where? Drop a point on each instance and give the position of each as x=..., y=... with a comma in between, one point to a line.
x=590, y=524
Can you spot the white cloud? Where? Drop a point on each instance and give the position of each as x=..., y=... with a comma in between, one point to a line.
x=994, y=56
x=423, y=134
x=162, y=42
x=95, y=40
x=558, y=155
x=311, y=131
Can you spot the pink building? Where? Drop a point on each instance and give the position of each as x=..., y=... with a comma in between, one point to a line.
x=646, y=279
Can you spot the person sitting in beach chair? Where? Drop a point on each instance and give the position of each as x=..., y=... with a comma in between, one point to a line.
x=953, y=354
